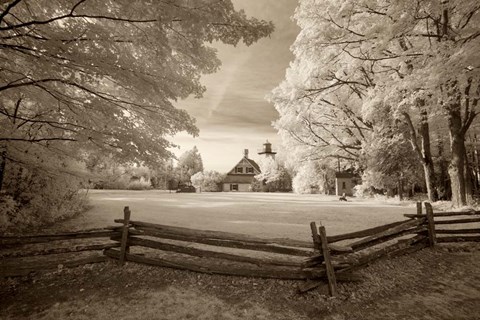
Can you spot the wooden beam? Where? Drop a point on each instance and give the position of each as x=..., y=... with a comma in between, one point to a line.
x=413, y=216
x=123, y=243
x=373, y=241
x=21, y=240
x=341, y=277
x=227, y=236
x=430, y=225
x=362, y=233
x=390, y=250
x=80, y=248
x=338, y=260
x=222, y=243
x=445, y=214
x=135, y=241
x=459, y=239
x=419, y=208
x=317, y=242
x=332, y=282
x=272, y=272
x=456, y=231
x=455, y=221
x=456, y=213
x=220, y=235
x=399, y=229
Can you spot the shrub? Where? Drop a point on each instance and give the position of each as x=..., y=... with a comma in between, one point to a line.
x=124, y=178
x=32, y=198
x=140, y=184
x=209, y=181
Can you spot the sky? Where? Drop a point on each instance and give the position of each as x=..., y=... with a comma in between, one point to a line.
x=233, y=114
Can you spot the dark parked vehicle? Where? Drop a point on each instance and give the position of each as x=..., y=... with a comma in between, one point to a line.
x=186, y=189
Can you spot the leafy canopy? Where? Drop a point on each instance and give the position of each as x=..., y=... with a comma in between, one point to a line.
x=104, y=74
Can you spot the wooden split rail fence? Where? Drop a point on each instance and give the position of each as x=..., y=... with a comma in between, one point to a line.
x=326, y=258
x=21, y=255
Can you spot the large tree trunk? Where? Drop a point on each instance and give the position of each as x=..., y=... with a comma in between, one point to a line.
x=427, y=162
x=430, y=180
x=444, y=181
x=424, y=153
x=468, y=179
x=400, y=189
x=457, y=162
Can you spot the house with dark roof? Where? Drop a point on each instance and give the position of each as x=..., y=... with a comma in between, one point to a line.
x=345, y=182
x=241, y=176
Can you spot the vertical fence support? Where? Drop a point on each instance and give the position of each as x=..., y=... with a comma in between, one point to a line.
x=320, y=244
x=332, y=281
x=315, y=237
x=419, y=208
x=123, y=244
x=432, y=237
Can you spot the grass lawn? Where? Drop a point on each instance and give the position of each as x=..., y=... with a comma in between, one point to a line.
x=443, y=283
x=260, y=214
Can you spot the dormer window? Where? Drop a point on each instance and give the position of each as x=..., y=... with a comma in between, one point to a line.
x=249, y=170
x=238, y=170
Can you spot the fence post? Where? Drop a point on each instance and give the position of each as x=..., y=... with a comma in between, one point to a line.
x=419, y=208
x=432, y=237
x=320, y=244
x=332, y=281
x=123, y=246
x=315, y=237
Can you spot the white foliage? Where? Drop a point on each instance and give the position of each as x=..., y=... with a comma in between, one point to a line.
x=309, y=179
x=207, y=180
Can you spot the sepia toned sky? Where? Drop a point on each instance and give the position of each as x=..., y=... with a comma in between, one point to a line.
x=233, y=115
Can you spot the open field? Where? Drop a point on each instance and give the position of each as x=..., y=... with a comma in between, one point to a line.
x=441, y=283
x=260, y=214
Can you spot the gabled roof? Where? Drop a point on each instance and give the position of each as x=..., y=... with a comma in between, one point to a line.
x=255, y=166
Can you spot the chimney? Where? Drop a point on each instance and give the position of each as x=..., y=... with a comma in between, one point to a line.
x=245, y=153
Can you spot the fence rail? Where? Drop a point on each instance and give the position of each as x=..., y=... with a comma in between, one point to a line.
x=215, y=252
x=21, y=255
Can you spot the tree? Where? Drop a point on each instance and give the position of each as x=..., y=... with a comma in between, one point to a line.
x=81, y=77
x=398, y=120
x=209, y=181
x=313, y=177
x=102, y=75
x=273, y=177
x=389, y=163
x=189, y=163
x=421, y=54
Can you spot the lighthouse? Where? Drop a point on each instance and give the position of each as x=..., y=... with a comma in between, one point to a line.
x=267, y=150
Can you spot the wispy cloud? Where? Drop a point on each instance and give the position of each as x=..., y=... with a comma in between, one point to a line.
x=233, y=114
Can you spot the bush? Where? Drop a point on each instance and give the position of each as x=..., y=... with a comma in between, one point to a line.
x=124, y=178
x=140, y=184
x=31, y=199
x=209, y=181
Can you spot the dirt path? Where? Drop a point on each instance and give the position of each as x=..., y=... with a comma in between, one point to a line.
x=431, y=284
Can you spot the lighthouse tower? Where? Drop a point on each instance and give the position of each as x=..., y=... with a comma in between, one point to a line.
x=267, y=150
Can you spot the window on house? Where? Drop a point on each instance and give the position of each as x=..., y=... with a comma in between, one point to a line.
x=234, y=187
x=344, y=185
x=249, y=170
x=238, y=170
